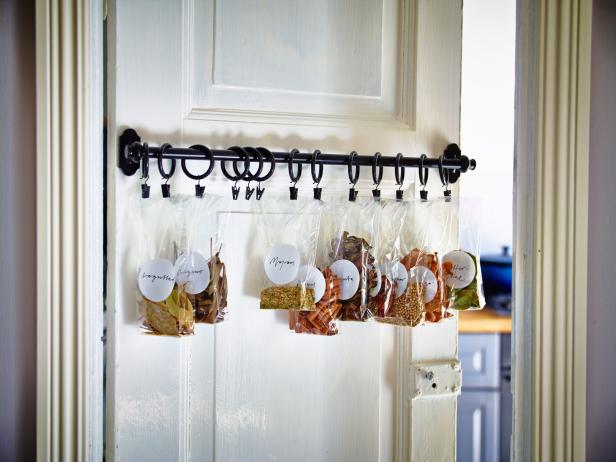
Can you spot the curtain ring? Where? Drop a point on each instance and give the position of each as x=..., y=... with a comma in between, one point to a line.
x=353, y=177
x=208, y=155
x=316, y=177
x=243, y=156
x=267, y=153
x=247, y=175
x=442, y=172
x=161, y=170
x=145, y=162
x=398, y=170
x=376, y=178
x=294, y=177
x=423, y=171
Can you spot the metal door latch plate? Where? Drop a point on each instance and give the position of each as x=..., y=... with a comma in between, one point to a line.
x=436, y=378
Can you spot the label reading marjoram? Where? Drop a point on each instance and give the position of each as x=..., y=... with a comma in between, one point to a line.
x=156, y=279
x=401, y=277
x=281, y=263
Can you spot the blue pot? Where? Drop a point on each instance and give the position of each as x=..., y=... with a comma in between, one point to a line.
x=497, y=278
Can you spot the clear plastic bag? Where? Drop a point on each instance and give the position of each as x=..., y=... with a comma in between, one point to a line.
x=291, y=231
x=163, y=305
x=460, y=266
x=351, y=229
x=392, y=275
x=323, y=320
x=200, y=262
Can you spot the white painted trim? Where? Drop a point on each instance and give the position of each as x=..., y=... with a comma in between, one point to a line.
x=394, y=108
x=551, y=178
x=69, y=230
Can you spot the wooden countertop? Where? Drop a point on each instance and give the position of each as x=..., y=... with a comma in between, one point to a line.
x=484, y=321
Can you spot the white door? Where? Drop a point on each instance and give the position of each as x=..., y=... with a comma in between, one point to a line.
x=336, y=75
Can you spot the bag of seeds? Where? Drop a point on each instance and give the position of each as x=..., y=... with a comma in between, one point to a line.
x=392, y=275
x=163, y=305
x=422, y=296
x=321, y=321
x=460, y=266
x=350, y=229
x=290, y=230
x=200, y=263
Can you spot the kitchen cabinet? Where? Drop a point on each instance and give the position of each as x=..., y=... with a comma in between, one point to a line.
x=484, y=407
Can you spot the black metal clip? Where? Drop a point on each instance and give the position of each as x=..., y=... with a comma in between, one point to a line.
x=316, y=177
x=265, y=152
x=165, y=187
x=249, y=191
x=423, y=178
x=444, y=175
x=145, y=171
x=294, y=176
x=399, y=174
x=377, y=177
x=235, y=191
x=199, y=190
x=353, y=176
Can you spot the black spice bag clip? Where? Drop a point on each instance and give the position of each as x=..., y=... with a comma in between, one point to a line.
x=294, y=176
x=316, y=177
x=399, y=173
x=376, y=177
x=353, y=175
x=199, y=190
x=145, y=172
x=423, y=177
x=165, y=187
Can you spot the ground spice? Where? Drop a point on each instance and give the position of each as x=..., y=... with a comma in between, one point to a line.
x=288, y=298
x=210, y=305
x=357, y=251
x=173, y=316
x=322, y=321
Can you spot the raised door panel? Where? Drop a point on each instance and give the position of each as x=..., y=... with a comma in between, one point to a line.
x=248, y=389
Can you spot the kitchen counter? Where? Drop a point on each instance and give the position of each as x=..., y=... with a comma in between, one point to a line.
x=483, y=322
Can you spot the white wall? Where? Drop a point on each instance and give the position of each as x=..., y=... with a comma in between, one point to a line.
x=601, y=353
x=488, y=82
x=17, y=233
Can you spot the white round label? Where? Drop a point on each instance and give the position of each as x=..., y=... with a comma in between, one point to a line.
x=401, y=277
x=458, y=269
x=156, y=279
x=423, y=275
x=193, y=272
x=348, y=274
x=313, y=279
x=282, y=263
x=375, y=291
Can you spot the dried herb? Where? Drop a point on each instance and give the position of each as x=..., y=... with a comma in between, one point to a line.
x=356, y=250
x=288, y=298
x=322, y=321
x=173, y=316
x=469, y=297
x=210, y=305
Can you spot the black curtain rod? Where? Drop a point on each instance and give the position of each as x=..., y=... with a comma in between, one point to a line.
x=131, y=151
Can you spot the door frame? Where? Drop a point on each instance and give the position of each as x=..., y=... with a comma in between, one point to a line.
x=549, y=408
x=70, y=233
x=551, y=229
